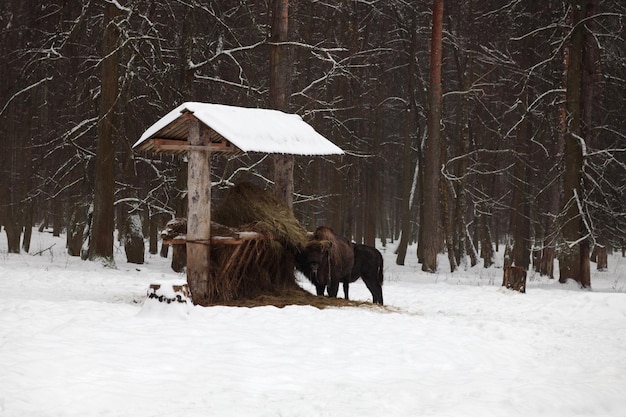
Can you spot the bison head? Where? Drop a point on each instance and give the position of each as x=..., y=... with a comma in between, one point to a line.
x=316, y=263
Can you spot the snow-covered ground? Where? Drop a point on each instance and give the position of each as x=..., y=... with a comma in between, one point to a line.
x=78, y=339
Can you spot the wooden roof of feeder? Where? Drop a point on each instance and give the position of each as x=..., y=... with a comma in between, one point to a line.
x=236, y=129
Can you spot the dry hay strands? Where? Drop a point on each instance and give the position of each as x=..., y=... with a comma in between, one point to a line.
x=248, y=270
x=300, y=297
x=248, y=204
x=260, y=267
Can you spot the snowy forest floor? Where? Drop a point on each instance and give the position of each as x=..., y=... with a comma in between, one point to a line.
x=79, y=339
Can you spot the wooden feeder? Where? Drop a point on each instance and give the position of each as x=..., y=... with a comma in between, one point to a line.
x=199, y=129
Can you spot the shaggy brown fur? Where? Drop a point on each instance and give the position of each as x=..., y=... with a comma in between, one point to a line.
x=327, y=260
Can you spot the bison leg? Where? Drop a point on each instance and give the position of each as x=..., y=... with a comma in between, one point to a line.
x=320, y=289
x=346, y=286
x=333, y=288
x=375, y=288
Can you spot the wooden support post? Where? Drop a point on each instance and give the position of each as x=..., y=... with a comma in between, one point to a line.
x=514, y=278
x=199, y=212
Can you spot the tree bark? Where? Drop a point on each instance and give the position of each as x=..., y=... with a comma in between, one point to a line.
x=9, y=211
x=407, y=183
x=153, y=241
x=101, y=242
x=132, y=237
x=486, y=242
x=573, y=263
x=601, y=258
x=546, y=261
x=514, y=278
x=27, y=221
x=465, y=71
x=408, y=186
x=431, y=234
x=520, y=210
x=279, y=93
x=75, y=229
x=179, y=256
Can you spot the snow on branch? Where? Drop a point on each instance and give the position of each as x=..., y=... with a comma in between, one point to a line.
x=227, y=52
x=581, y=211
x=22, y=91
x=119, y=6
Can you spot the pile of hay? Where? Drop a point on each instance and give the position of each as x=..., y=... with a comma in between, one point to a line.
x=262, y=267
x=302, y=298
x=250, y=205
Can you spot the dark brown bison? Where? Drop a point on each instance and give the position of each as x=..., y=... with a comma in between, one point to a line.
x=368, y=265
x=329, y=259
x=326, y=260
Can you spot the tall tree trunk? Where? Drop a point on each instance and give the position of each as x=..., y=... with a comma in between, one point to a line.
x=486, y=242
x=408, y=186
x=465, y=71
x=372, y=216
x=461, y=200
x=278, y=95
x=57, y=216
x=574, y=259
x=27, y=221
x=520, y=210
x=446, y=220
x=407, y=183
x=431, y=227
x=10, y=188
x=76, y=223
x=153, y=233
x=101, y=242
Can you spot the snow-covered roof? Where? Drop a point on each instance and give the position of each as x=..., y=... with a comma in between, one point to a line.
x=247, y=129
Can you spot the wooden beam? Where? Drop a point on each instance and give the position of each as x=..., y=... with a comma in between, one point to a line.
x=172, y=145
x=237, y=239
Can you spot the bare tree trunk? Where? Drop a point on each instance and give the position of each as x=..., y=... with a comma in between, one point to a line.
x=573, y=262
x=101, y=242
x=130, y=229
x=10, y=188
x=57, y=216
x=75, y=229
x=179, y=256
x=13, y=231
x=372, y=215
x=408, y=186
x=431, y=235
x=132, y=235
x=486, y=243
x=27, y=221
x=465, y=71
x=279, y=93
x=153, y=234
x=520, y=210
x=446, y=220
x=407, y=183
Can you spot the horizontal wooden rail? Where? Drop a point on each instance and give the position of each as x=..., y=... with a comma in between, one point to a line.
x=238, y=239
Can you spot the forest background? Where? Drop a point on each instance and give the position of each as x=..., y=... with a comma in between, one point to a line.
x=532, y=145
